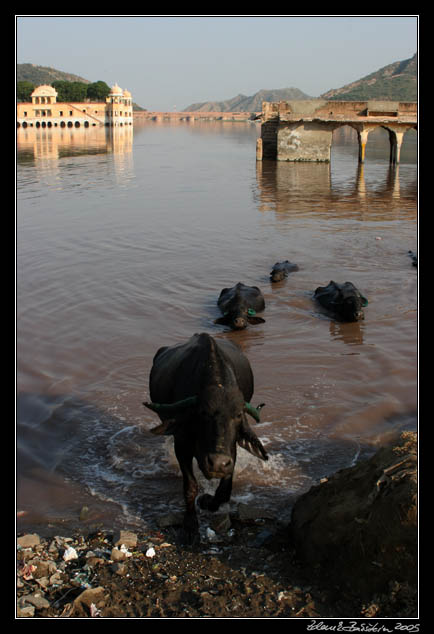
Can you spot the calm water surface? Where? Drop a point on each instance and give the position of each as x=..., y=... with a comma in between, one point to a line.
x=124, y=241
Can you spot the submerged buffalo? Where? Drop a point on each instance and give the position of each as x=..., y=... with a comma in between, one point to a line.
x=343, y=300
x=281, y=270
x=201, y=390
x=413, y=257
x=239, y=306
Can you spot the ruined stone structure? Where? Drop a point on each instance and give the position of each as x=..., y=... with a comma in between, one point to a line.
x=302, y=130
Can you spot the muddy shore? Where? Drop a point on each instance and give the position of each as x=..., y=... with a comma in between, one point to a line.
x=247, y=563
x=250, y=571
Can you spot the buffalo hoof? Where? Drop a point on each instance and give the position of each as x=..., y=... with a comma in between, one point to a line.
x=189, y=532
x=189, y=537
x=208, y=502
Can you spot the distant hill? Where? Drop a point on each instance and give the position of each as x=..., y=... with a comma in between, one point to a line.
x=39, y=75
x=241, y=103
x=396, y=82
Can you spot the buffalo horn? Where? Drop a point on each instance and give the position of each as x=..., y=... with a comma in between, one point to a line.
x=254, y=411
x=167, y=408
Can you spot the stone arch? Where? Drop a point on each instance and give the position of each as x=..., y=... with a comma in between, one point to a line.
x=396, y=138
x=344, y=133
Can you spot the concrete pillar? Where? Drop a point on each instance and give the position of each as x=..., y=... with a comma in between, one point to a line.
x=395, y=138
x=362, y=136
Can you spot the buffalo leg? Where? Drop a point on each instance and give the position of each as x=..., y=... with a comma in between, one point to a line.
x=222, y=495
x=191, y=524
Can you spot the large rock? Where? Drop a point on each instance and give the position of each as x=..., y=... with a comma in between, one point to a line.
x=359, y=528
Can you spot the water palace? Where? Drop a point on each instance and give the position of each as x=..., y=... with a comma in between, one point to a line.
x=44, y=111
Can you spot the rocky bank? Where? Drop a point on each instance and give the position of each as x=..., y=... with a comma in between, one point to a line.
x=350, y=551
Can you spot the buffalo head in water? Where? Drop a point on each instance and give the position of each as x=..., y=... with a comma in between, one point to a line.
x=239, y=306
x=281, y=270
x=201, y=391
x=344, y=301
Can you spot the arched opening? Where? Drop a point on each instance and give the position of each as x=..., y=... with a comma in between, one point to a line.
x=409, y=146
x=77, y=124
x=378, y=145
x=345, y=144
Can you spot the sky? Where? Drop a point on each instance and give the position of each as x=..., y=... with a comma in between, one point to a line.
x=170, y=62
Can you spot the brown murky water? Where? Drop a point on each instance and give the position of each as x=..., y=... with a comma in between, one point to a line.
x=124, y=242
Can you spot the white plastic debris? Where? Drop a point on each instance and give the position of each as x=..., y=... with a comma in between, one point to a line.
x=125, y=550
x=94, y=612
x=70, y=553
x=212, y=536
x=150, y=552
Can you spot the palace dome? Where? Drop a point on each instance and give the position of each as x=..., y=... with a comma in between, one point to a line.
x=127, y=93
x=44, y=91
x=116, y=90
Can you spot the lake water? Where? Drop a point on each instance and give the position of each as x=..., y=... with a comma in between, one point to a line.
x=124, y=241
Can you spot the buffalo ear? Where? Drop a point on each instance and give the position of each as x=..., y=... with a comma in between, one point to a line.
x=224, y=321
x=255, y=320
x=248, y=440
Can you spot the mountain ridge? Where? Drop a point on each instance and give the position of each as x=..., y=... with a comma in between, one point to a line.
x=396, y=82
x=243, y=103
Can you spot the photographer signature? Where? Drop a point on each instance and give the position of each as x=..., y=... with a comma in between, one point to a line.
x=354, y=626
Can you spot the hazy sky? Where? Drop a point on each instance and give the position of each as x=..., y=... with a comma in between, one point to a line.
x=169, y=62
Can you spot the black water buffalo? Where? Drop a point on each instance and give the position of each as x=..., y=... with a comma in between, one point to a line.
x=413, y=257
x=281, y=270
x=343, y=300
x=201, y=390
x=239, y=306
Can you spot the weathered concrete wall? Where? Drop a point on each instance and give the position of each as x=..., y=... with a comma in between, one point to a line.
x=302, y=130
x=307, y=141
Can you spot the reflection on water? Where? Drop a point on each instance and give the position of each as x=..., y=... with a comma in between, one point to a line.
x=124, y=244
x=43, y=148
x=283, y=186
x=55, y=143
